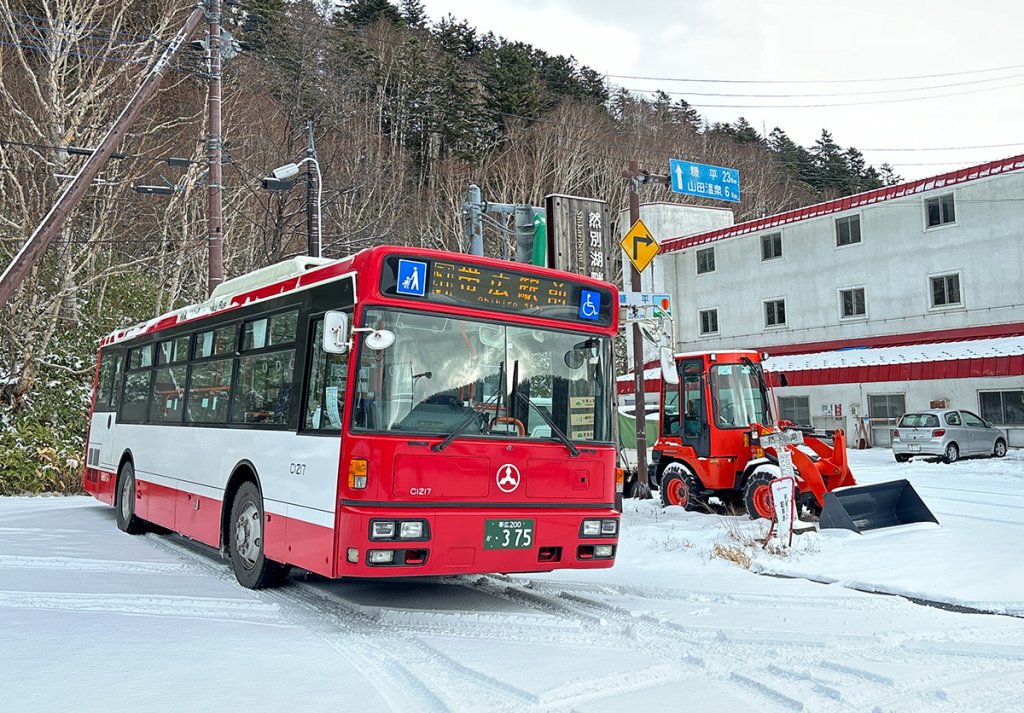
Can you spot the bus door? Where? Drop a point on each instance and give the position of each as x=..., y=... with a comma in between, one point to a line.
x=695, y=432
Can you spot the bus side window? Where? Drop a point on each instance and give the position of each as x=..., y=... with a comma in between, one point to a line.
x=109, y=386
x=325, y=390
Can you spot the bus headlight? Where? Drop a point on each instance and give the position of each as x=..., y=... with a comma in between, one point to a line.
x=608, y=527
x=603, y=551
x=382, y=529
x=411, y=530
x=380, y=556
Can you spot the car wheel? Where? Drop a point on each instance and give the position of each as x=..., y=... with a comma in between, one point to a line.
x=245, y=538
x=680, y=487
x=952, y=454
x=1000, y=450
x=124, y=504
x=757, y=496
x=901, y=457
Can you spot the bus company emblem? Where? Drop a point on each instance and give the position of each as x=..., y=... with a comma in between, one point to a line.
x=508, y=478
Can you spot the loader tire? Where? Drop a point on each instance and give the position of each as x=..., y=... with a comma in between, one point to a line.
x=680, y=487
x=757, y=495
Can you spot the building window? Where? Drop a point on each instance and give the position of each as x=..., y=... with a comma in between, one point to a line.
x=708, y=321
x=887, y=406
x=705, y=260
x=1003, y=408
x=848, y=230
x=852, y=302
x=796, y=409
x=771, y=246
x=940, y=210
x=945, y=290
x=774, y=313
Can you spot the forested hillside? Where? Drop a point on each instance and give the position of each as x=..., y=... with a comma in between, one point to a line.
x=406, y=113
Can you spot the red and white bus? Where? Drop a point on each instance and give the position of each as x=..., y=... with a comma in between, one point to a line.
x=398, y=412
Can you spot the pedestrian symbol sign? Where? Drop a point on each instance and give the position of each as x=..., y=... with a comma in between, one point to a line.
x=412, y=278
x=640, y=246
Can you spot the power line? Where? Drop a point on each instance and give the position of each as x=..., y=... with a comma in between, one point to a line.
x=872, y=92
x=814, y=81
x=901, y=100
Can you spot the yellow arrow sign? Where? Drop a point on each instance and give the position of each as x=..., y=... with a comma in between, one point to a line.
x=640, y=246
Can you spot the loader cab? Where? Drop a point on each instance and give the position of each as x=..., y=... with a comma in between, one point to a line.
x=706, y=417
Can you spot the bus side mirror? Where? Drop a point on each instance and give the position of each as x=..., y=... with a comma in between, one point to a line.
x=335, y=339
x=668, y=366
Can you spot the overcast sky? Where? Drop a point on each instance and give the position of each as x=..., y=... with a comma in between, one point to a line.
x=805, y=41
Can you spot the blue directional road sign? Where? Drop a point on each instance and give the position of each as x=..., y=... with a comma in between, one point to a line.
x=699, y=179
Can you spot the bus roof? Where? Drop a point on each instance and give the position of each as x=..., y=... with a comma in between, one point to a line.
x=290, y=275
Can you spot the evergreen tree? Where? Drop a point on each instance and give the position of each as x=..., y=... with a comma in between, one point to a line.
x=794, y=157
x=513, y=90
x=688, y=115
x=457, y=38
x=888, y=176
x=743, y=133
x=360, y=13
x=413, y=14
x=831, y=171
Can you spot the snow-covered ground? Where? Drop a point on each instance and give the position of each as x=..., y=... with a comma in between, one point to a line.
x=92, y=619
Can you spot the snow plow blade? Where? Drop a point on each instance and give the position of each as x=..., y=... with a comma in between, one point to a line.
x=872, y=507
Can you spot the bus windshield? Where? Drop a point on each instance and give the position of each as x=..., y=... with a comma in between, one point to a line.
x=440, y=370
x=736, y=396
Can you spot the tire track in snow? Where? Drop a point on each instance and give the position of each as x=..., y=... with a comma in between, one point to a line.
x=834, y=684
x=176, y=607
x=74, y=564
x=416, y=675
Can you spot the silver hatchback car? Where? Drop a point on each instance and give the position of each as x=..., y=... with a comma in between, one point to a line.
x=947, y=433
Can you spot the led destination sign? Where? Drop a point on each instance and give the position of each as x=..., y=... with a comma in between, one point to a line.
x=467, y=285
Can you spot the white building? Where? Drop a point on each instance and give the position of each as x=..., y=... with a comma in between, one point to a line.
x=934, y=261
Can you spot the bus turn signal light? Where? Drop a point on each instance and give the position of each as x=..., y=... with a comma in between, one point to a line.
x=358, y=469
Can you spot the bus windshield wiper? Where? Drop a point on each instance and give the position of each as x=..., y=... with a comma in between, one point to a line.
x=555, y=430
x=473, y=414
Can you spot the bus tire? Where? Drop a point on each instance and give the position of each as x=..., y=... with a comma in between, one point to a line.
x=245, y=538
x=124, y=503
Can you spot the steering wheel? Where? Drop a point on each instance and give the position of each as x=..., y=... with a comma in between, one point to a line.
x=508, y=419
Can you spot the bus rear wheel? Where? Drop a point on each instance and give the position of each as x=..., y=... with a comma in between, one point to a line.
x=245, y=541
x=124, y=504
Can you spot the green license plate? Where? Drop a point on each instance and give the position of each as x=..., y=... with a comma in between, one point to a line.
x=508, y=534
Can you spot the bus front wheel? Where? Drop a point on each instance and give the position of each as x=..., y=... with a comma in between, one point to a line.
x=245, y=537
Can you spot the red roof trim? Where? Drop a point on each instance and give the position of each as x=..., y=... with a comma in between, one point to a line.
x=898, y=340
x=878, y=195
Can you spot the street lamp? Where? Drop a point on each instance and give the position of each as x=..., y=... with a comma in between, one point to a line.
x=291, y=170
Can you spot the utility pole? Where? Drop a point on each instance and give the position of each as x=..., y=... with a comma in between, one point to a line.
x=312, y=249
x=48, y=228
x=636, y=177
x=214, y=147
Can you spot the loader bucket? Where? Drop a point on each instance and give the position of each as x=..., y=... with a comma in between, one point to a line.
x=872, y=507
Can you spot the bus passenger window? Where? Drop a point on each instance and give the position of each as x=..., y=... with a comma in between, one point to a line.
x=325, y=393
x=209, y=391
x=264, y=387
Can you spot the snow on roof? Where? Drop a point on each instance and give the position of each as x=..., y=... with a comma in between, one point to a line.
x=945, y=351
x=654, y=373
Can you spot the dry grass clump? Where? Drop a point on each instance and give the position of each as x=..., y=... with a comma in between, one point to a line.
x=733, y=553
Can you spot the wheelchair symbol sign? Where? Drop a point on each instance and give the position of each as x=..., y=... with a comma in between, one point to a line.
x=590, y=305
x=412, y=278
